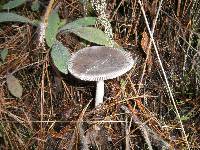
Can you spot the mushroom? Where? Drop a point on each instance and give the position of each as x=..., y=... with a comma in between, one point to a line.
x=99, y=63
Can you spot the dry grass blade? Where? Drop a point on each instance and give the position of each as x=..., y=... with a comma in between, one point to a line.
x=148, y=53
x=83, y=140
x=165, y=76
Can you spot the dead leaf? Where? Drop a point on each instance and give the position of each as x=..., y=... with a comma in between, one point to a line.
x=14, y=86
x=145, y=46
x=145, y=41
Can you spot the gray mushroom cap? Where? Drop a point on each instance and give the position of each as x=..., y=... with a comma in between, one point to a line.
x=99, y=63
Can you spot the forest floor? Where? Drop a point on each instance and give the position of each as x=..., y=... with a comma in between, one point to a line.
x=56, y=111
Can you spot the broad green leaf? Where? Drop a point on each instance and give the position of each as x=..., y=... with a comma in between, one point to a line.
x=13, y=4
x=35, y=6
x=14, y=86
x=12, y=17
x=4, y=53
x=52, y=28
x=93, y=35
x=60, y=56
x=82, y=22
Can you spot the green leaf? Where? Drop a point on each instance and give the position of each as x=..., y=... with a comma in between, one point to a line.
x=14, y=86
x=35, y=6
x=60, y=56
x=12, y=17
x=4, y=53
x=93, y=35
x=82, y=22
x=13, y=4
x=62, y=23
x=52, y=28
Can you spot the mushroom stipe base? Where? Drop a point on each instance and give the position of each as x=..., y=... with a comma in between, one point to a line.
x=99, y=92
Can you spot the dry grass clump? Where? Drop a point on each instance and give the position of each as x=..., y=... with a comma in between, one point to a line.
x=56, y=111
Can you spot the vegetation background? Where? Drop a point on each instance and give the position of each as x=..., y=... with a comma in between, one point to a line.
x=43, y=108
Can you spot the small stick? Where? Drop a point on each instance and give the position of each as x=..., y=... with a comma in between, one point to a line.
x=147, y=132
x=141, y=126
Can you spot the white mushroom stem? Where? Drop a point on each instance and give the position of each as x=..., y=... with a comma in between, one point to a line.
x=99, y=92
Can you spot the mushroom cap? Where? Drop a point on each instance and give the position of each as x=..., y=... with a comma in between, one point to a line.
x=99, y=63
